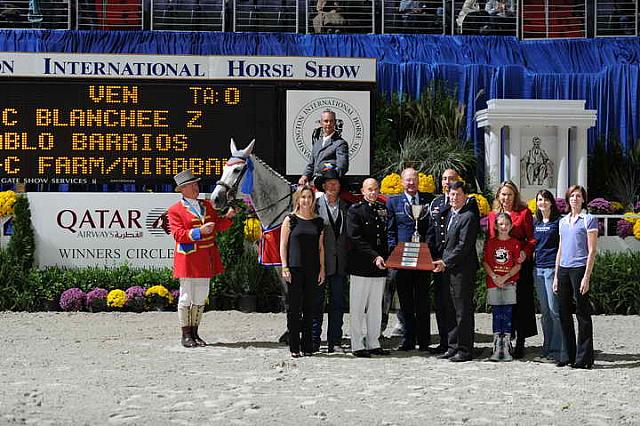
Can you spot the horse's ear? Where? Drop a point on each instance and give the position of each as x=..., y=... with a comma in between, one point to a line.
x=249, y=149
x=232, y=147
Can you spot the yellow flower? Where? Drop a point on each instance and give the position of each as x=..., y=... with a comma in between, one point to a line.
x=116, y=298
x=531, y=204
x=391, y=184
x=252, y=229
x=483, y=204
x=631, y=217
x=617, y=206
x=7, y=200
x=636, y=230
x=159, y=290
x=426, y=183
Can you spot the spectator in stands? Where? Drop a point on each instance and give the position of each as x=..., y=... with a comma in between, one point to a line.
x=329, y=18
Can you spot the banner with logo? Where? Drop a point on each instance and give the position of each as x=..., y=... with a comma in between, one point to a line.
x=80, y=229
x=304, y=108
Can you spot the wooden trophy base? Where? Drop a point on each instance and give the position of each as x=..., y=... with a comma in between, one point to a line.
x=414, y=256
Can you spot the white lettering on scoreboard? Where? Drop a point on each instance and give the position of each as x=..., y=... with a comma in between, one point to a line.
x=80, y=229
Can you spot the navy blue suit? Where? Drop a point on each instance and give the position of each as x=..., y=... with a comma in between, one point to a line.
x=413, y=286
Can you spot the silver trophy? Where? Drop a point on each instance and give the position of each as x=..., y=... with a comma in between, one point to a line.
x=417, y=213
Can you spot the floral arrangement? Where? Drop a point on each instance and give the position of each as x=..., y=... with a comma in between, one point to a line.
x=72, y=299
x=532, y=205
x=391, y=184
x=617, y=206
x=116, y=298
x=158, y=297
x=636, y=230
x=631, y=217
x=176, y=295
x=599, y=206
x=624, y=229
x=426, y=183
x=135, y=298
x=7, y=200
x=561, y=203
x=96, y=300
x=252, y=229
x=483, y=204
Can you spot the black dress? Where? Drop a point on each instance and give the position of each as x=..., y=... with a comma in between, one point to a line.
x=304, y=263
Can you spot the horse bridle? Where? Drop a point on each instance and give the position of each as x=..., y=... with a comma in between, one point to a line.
x=231, y=190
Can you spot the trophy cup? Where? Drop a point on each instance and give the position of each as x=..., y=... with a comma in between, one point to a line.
x=414, y=254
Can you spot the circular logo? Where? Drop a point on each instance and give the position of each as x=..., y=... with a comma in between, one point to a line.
x=348, y=123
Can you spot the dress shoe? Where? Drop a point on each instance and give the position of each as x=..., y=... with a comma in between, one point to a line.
x=379, y=351
x=363, y=353
x=460, y=358
x=335, y=348
x=448, y=354
x=295, y=355
x=437, y=350
x=405, y=347
x=315, y=347
x=562, y=363
x=582, y=366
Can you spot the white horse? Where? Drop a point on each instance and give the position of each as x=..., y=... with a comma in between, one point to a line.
x=270, y=192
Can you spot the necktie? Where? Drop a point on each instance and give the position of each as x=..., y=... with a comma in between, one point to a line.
x=414, y=200
x=451, y=218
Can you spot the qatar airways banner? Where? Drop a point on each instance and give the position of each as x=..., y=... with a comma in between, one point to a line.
x=85, y=65
x=80, y=229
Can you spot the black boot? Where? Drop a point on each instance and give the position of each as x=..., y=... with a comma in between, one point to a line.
x=518, y=352
x=187, y=340
x=194, y=334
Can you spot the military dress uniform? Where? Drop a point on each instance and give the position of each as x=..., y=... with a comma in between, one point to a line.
x=367, y=232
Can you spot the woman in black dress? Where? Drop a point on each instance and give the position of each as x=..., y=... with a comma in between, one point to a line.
x=302, y=257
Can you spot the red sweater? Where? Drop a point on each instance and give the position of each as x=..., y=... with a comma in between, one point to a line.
x=501, y=256
x=522, y=229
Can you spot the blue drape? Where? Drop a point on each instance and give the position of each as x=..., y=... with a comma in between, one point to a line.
x=604, y=72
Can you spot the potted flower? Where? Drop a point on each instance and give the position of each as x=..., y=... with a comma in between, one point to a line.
x=135, y=298
x=116, y=299
x=158, y=297
x=72, y=299
x=97, y=300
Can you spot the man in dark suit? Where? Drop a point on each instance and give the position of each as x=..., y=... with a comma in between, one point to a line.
x=436, y=235
x=326, y=147
x=367, y=231
x=333, y=211
x=460, y=262
x=412, y=285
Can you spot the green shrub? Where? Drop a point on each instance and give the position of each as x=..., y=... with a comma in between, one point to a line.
x=615, y=283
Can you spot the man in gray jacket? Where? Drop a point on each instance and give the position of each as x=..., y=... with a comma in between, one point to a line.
x=327, y=149
x=334, y=212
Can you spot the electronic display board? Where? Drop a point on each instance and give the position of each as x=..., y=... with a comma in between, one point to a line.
x=92, y=131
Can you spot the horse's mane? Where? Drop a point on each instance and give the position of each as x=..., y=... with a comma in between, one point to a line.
x=268, y=167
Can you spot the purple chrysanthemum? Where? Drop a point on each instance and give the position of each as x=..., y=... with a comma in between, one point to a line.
x=72, y=299
x=600, y=206
x=562, y=205
x=176, y=295
x=135, y=298
x=96, y=299
x=624, y=229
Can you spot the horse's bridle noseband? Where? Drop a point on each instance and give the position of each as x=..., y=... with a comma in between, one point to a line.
x=231, y=190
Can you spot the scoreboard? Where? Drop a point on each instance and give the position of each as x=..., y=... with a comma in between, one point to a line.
x=128, y=131
x=100, y=118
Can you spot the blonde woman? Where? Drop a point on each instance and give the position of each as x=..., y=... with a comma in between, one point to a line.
x=302, y=257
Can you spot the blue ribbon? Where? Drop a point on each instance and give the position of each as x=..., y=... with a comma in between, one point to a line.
x=247, y=181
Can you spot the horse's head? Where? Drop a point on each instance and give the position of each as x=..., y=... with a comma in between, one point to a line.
x=232, y=173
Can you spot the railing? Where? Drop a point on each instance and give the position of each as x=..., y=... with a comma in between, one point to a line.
x=414, y=16
x=616, y=18
x=340, y=16
x=528, y=19
x=196, y=15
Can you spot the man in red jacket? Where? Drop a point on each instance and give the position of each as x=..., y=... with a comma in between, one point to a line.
x=194, y=224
